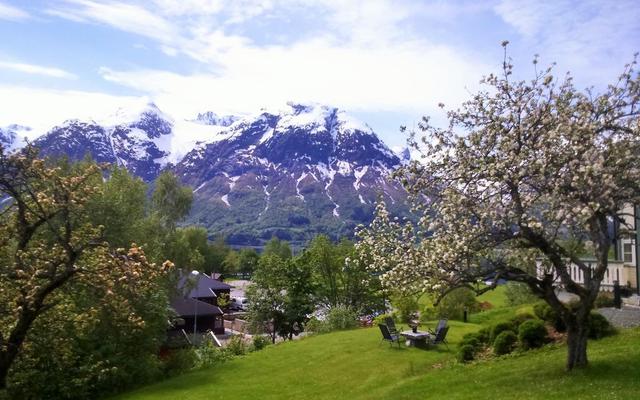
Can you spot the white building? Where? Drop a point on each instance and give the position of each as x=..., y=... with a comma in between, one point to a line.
x=623, y=262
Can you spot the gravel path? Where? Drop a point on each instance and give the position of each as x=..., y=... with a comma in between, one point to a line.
x=626, y=317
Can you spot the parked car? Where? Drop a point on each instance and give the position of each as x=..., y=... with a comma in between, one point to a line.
x=239, y=303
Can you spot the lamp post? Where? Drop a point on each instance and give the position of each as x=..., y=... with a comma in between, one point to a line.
x=195, y=318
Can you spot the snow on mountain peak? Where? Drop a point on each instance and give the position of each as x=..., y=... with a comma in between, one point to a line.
x=211, y=118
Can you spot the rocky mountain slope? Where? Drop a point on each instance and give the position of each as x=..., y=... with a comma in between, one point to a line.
x=293, y=173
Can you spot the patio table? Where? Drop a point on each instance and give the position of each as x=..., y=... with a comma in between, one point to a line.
x=415, y=338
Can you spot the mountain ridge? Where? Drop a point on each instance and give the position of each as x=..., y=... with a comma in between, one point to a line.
x=295, y=172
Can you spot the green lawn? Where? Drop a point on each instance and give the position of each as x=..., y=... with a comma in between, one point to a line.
x=497, y=297
x=355, y=365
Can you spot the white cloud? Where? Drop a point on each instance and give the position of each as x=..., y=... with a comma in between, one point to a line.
x=364, y=58
x=37, y=70
x=411, y=77
x=41, y=109
x=120, y=15
x=591, y=38
x=374, y=55
x=12, y=13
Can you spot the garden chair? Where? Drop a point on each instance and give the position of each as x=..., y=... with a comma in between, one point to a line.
x=440, y=337
x=391, y=324
x=441, y=324
x=388, y=336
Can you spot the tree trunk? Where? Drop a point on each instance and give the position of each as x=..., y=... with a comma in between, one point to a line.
x=577, y=335
x=4, y=371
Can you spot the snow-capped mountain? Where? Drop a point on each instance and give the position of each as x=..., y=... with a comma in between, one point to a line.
x=14, y=136
x=211, y=118
x=293, y=173
x=144, y=140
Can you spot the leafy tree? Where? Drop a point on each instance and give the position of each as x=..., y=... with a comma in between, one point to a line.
x=339, y=277
x=214, y=260
x=249, y=259
x=327, y=266
x=49, y=246
x=171, y=200
x=101, y=336
x=231, y=263
x=280, y=298
x=519, y=165
x=279, y=248
x=120, y=208
x=187, y=247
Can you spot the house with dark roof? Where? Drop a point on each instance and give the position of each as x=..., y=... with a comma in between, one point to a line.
x=197, y=304
x=203, y=287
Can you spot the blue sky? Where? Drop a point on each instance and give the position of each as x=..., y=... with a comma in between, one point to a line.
x=388, y=62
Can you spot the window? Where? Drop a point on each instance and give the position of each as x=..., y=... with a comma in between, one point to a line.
x=627, y=252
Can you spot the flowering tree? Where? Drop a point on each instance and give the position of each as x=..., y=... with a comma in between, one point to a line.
x=47, y=242
x=521, y=165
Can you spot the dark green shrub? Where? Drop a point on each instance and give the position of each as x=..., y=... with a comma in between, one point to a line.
x=504, y=343
x=484, y=335
x=520, y=318
x=236, y=346
x=532, y=334
x=543, y=311
x=465, y=353
x=179, y=361
x=603, y=300
x=599, y=326
x=260, y=342
x=473, y=339
x=498, y=328
x=548, y=314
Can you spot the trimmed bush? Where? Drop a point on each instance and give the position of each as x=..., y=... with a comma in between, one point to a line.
x=472, y=339
x=504, y=343
x=498, y=328
x=520, y=318
x=548, y=314
x=599, y=326
x=543, y=311
x=532, y=334
x=484, y=335
x=465, y=353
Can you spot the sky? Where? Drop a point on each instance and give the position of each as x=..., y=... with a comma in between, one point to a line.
x=389, y=62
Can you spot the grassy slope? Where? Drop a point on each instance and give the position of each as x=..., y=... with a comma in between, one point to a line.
x=614, y=374
x=351, y=364
x=354, y=365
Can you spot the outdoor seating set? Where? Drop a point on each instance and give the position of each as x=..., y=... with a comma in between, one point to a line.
x=414, y=337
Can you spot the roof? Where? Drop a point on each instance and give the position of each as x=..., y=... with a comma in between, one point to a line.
x=203, y=285
x=186, y=307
